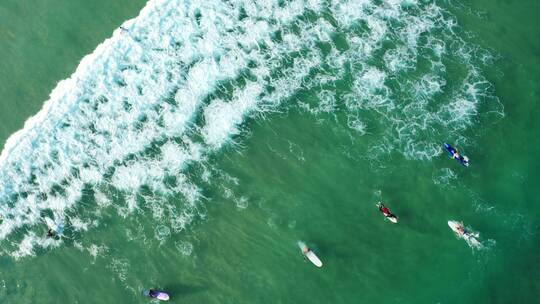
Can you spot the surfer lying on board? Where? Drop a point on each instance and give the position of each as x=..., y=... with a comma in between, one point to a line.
x=454, y=154
x=461, y=158
x=461, y=232
x=156, y=294
x=386, y=212
x=309, y=254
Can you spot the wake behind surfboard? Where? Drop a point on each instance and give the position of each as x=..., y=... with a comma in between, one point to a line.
x=310, y=255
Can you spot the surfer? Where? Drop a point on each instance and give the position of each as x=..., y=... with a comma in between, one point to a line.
x=309, y=254
x=153, y=293
x=53, y=229
x=463, y=159
x=470, y=237
x=50, y=233
x=156, y=294
x=386, y=212
x=454, y=154
x=460, y=230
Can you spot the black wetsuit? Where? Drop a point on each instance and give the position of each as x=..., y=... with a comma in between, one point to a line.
x=153, y=293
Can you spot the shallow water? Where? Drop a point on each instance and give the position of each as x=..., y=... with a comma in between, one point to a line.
x=193, y=150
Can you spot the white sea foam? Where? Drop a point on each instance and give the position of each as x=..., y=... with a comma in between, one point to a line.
x=399, y=59
x=444, y=177
x=162, y=233
x=158, y=98
x=79, y=224
x=222, y=118
x=185, y=248
x=120, y=267
x=242, y=202
x=96, y=250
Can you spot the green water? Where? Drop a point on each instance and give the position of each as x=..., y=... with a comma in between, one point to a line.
x=307, y=179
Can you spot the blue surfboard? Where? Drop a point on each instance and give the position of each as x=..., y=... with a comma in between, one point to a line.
x=463, y=160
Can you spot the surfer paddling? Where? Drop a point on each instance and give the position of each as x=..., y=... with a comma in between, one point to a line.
x=309, y=254
x=386, y=212
x=156, y=294
x=454, y=154
x=460, y=230
x=469, y=236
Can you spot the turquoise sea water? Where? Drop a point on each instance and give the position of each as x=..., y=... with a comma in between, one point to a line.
x=193, y=150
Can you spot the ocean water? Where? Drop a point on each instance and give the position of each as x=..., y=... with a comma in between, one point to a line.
x=191, y=148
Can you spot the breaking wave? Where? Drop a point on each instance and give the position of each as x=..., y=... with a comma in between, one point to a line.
x=133, y=128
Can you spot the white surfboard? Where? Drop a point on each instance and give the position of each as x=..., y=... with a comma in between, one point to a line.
x=53, y=226
x=392, y=219
x=454, y=226
x=161, y=295
x=309, y=254
x=468, y=236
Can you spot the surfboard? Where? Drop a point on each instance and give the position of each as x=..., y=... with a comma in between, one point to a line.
x=162, y=295
x=454, y=226
x=53, y=226
x=449, y=149
x=468, y=236
x=462, y=159
x=310, y=255
x=392, y=219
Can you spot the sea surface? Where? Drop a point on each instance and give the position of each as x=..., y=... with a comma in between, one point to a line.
x=189, y=146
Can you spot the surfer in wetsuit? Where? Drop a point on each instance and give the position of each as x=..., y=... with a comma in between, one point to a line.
x=460, y=230
x=463, y=159
x=153, y=293
x=385, y=211
x=50, y=233
x=156, y=294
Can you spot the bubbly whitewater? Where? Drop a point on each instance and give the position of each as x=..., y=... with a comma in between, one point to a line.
x=137, y=123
